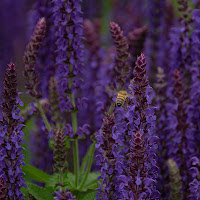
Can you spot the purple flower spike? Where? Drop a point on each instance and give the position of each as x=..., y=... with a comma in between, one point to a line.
x=30, y=58
x=141, y=158
x=59, y=151
x=107, y=159
x=10, y=149
x=181, y=142
x=68, y=25
x=121, y=68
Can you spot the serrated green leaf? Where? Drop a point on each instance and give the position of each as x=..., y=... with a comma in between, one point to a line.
x=85, y=195
x=52, y=180
x=69, y=181
x=36, y=174
x=40, y=193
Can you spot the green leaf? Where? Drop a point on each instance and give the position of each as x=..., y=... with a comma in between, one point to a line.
x=67, y=144
x=25, y=192
x=85, y=195
x=40, y=193
x=35, y=174
x=29, y=126
x=91, y=182
x=69, y=181
x=52, y=180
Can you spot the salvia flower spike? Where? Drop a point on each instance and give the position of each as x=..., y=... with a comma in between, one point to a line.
x=142, y=145
x=11, y=137
x=107, y=161
x=122, y=67
x=30, y=59
x=59, y=154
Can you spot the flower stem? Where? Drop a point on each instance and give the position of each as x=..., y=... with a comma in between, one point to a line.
x=74, y=127
x=60, y=177
x=111, y=108
x=48, y=126
x=89, y=166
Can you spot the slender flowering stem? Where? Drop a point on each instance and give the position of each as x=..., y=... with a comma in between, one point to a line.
x=46, y=122
x=89, y=166
x=75, y=128
x=30, y=59
x=68, y=22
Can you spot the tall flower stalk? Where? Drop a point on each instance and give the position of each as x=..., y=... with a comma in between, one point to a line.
x=68, y=20
x=121, y=67
x=162, y=130
x=142, y=169
x=30, y=59
x=107, y=158
x=181, y=145
x=11, y=137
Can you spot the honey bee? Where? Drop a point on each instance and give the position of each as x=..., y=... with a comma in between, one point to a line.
x=121, y=98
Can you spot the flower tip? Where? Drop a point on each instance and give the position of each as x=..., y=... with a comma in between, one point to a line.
x=11, y=66
x=42, y=20
x=113, y=25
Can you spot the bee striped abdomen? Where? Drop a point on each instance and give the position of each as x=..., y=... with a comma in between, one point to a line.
x=120, y=100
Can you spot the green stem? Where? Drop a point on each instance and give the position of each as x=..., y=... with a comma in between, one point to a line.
x=76, y=161
x=43, y=116
x=111, y=108
x=88, y=167
x=74, y=127
x=60, y=177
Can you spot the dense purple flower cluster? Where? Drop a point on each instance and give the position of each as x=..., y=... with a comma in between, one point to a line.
x=162, y=130
x=181, y=146
x=68, y=20
x=142, y=158
x=11, y=137
x=146, y=139
x=107, y=158
x=194, y=107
